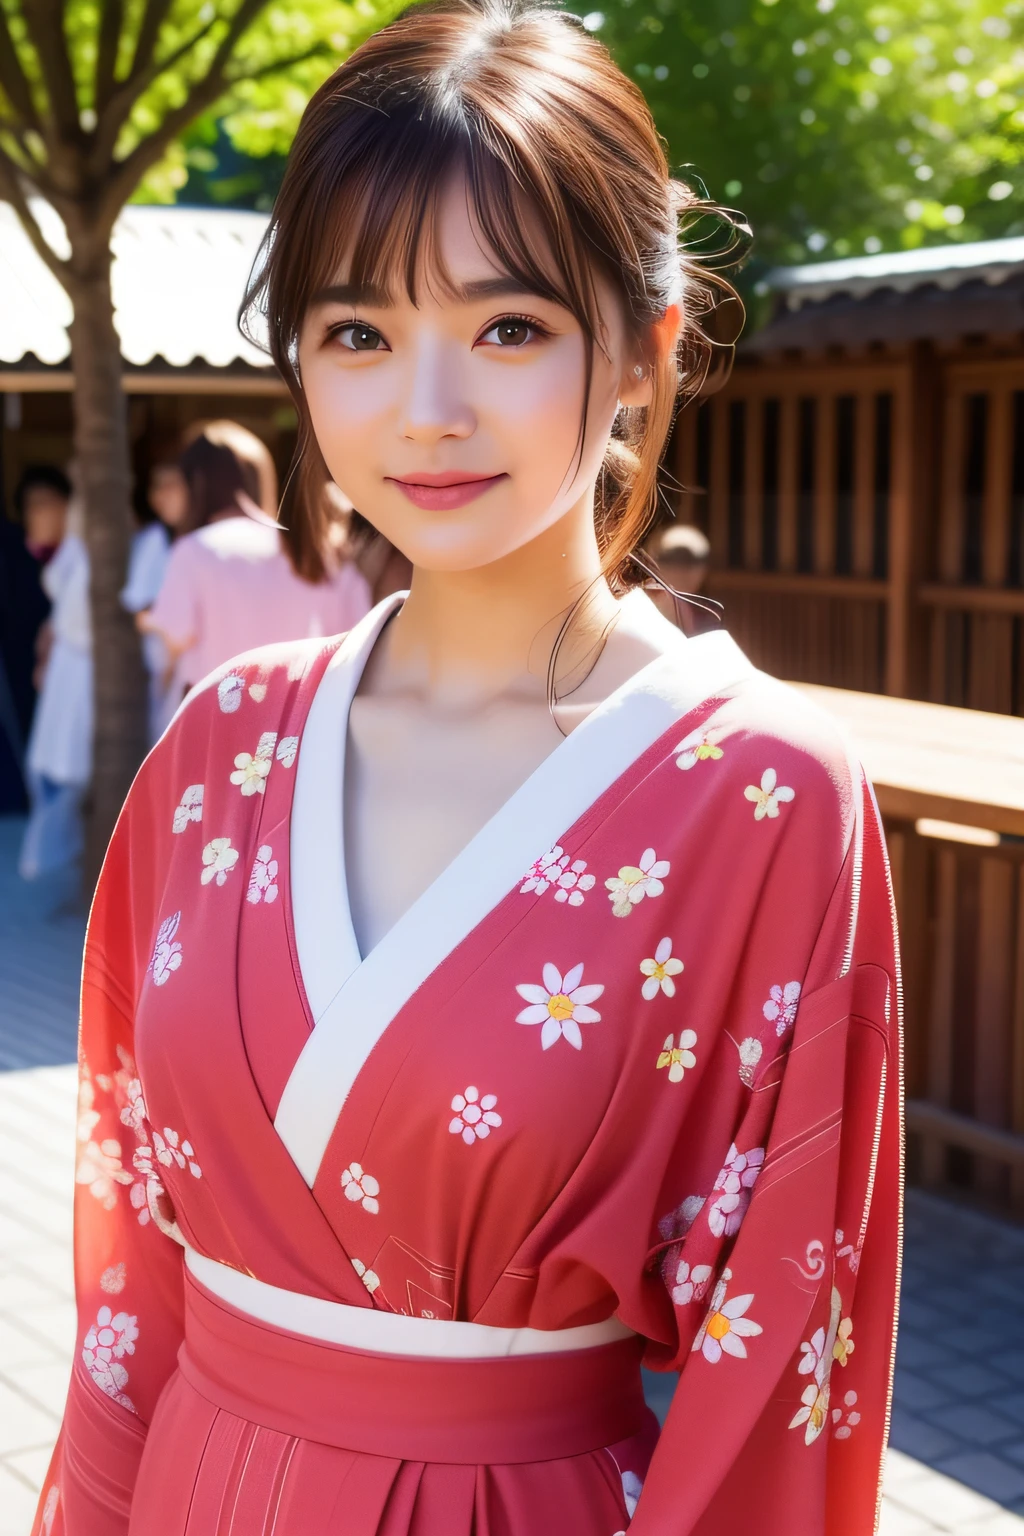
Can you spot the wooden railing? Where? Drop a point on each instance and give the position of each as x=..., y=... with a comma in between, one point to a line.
x=867, y=522
x=950, y=785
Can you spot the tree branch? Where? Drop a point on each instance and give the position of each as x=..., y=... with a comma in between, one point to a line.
x=277, y=66
x=13, y=193
x=122, y=100
x=153, y=18
x=13, y=79
x=44, y=20
x=108, y=47
x=201, y=95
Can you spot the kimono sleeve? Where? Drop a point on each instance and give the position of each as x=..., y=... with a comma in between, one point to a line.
x=128, y=1267
x=785, y=1295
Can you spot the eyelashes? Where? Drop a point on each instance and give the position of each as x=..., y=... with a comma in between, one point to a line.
x=510, y=331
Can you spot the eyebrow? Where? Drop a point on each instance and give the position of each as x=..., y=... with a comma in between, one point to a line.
x=370, y=294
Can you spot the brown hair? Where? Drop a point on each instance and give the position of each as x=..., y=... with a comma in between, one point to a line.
x=225, y=465
x=536, y=115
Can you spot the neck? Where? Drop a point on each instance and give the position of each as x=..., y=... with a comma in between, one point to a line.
x=468, y=635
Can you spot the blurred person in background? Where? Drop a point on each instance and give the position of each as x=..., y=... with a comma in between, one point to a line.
x=681, y=554
x=167, y=497
x=238, y=579
x=59, y=756
x=41, y=504
x=40, y=507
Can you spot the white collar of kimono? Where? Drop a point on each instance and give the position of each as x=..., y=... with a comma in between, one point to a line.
x=353, y=1000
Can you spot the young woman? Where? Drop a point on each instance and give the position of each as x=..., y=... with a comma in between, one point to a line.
x=237, y=580
x=483, y=1002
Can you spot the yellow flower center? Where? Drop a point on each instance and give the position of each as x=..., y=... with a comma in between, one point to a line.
x=659, y=972
x=718, y=1325
x=629, y=874
x=560, y=1006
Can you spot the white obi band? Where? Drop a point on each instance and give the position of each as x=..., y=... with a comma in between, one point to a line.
x=388, y=1333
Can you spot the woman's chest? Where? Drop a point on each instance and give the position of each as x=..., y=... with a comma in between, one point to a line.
x=418, y=788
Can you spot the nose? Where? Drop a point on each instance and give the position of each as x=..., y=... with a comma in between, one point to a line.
x=436, y=405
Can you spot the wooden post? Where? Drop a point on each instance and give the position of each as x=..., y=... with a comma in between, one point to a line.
x=939, y=1073
x=788, y=430
x=951, y=503
x=995, y=536
x=1017, y=1045
x=992, y=1009
x=864, y=483
x=753, y=489
x=718, y=490
x=901, y=541
x=825, y=486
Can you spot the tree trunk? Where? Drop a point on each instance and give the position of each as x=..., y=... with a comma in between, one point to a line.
x=104, y=479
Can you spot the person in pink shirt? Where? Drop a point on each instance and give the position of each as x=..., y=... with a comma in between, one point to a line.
x=238, y=579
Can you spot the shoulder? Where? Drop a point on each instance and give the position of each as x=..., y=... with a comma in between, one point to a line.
x=779, y=738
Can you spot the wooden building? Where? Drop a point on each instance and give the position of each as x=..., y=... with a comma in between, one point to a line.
x=861, y=477
x=178, y=277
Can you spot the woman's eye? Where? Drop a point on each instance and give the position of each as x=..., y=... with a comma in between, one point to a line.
x=355, y=337
x=511, y=333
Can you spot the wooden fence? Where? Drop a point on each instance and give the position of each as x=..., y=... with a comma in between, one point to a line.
x=950, y=785
x=866, y=519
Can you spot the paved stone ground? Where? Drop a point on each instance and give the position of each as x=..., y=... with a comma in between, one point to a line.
x=957, y=1463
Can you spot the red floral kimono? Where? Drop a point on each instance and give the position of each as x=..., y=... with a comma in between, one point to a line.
x=373, y=1246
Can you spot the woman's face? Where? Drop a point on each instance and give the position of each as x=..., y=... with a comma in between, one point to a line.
x=168, y=494
x=453, y=424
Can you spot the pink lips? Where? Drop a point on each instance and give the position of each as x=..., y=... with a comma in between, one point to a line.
x=444, y=492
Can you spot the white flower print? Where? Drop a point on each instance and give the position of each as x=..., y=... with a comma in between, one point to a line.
x=844, y=1430
x=632, y=1488
x=678, y=1058
x=573, y=883
x=109, y=1339
x=189, y=808
x=570, y=880
x=733, y=1187
x=660, y=971
x=257, y=692
x=770, y=796
x=50, y=1510
x=133, y=1113
x=263, y=877
x=561, y=1005
x=782, y=1005
x=690, y=1283
x=696, y=748
x=362, y=1187
x=170, y=1149
x=287, y=750
x=635, y=881
x=112, y=1280
x=229, y=693
x=474, y=1116
x=751, y=1051
x=166, y=951
x=543, y=872
x=99, y=1169
x=251, y=768
x=725, y=1325
x=817, y=1356
x=219, y=859
x=367, y=1276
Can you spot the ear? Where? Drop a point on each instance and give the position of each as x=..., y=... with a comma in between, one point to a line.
x=635, y=387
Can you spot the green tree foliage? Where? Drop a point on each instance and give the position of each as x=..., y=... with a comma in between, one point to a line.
x=838, y=126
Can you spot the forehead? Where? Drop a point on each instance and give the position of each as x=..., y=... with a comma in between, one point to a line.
x=441, y=256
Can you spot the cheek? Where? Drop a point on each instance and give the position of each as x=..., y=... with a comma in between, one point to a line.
x=344, y=408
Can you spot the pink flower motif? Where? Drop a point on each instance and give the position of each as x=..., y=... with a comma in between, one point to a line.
x=474, y=1116
x=690, y=1283
x=362, y=1187
x=189, y=808
x=166, y=951
x=112, y=1280
x=733, y=1186
x=782, y=1005
x=108, y=1340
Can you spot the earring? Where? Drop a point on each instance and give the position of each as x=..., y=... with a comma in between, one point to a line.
x=638, y=371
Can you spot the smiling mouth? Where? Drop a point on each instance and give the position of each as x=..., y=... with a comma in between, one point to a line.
x=444, y=492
